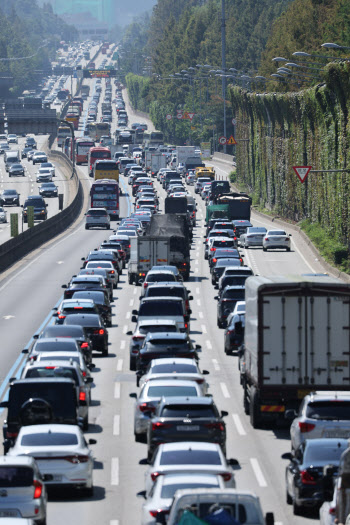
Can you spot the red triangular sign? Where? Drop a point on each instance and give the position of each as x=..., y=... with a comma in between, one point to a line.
x=302, y=172
x=190, y=116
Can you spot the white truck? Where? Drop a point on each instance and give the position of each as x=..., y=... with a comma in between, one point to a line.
x=183, y=152
x=243, y=506
x=158, y=161
x=145, y=252
x=296, y=340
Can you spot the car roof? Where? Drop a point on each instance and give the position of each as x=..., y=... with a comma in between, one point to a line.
x=326, y=443
x=24, y=461
x=329, y=396
x=188, y=400
x=160, y=299
x=173, y=382
x=164, y=335
x=61, y=364
x=152, y=321
x=173, y=360
x=61, y=329
x=48, y=428
x=75, y=301
x=61, y=340
x=189, y=445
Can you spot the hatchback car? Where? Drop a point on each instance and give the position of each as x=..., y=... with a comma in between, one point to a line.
x=23, y=490
x=97, y=218
x=94, y=328
x=276, y=239
x=178, y=367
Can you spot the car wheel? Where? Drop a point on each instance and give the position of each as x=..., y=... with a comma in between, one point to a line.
x=132, y=364
x=86, y=423
x=105, y=352
x=219, y=323
x=108, y=227
x=109, y=323
x=40, y=522
x=288, y=249
x=88, y=491
x=140, y=438
x=297, y=509
x=264, y=249
x=86, y=227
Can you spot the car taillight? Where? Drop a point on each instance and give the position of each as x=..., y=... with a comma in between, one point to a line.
x=159, y=424
x=145, y=285
x=235, y=238
x=212, y=249
x=60, y=316
x=186, y=326
x=78, y=307
x=99, y=332
x=84, y=373
x=129, y=245
x=226, y=476
x=112, y=272
x=145, y=407
x=266, y=239
x=306, y=427
x=84, y=345
x=11, y=435
x=241, y=260
x=214, y=260
x=307, y=478
x=138, y=337
x=332, y=510
x=38, y=489
x=286, y=239
x=200, y=381
x=230, y=332
x=82, y=396
x=216, y=426
x=76, y=459
x=155, y=475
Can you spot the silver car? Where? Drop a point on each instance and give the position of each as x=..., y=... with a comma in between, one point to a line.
x=150, y=395
x=3, y=214
x=22, y=489
x=97, y=217
x=276, y=239
x=253, y=237
x=321, y=415
x=178, y=368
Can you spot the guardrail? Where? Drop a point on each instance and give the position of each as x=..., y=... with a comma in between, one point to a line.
x=14, y=249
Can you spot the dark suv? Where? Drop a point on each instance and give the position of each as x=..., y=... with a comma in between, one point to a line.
x=39, y=205
x=227, y=302
x=39, y=401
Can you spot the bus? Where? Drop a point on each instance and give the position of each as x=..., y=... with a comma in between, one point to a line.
x=153, y=138
x=82, y=148
x=95, y=153
x=62, y=133
x=67, y=147
x=104, y=193
x=106, y=169
x=97, y=129
x=73, y=117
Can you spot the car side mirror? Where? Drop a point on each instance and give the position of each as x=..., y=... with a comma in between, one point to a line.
x=143, y=461
x=91, y=366
x=64, y=286
x=36, y=336
x=290, y=414
x=4, y=404
x=190, y=298
x=288, y=455
x=88, y=380
x=224, y=413
x=290, y=235
x=141, y=494
x=205, y=372
x=233, y=462
x=46, y=204
x=129, y=332
x=25, y=351
x=133, y=395
x=216, y=297
x=92, y=441
x=134, y=312
x=83, y=258
x=198, y=347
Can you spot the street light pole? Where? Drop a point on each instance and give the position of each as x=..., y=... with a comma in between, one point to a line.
x=223, y=61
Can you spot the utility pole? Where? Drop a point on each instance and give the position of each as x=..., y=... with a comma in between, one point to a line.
x=223, y=62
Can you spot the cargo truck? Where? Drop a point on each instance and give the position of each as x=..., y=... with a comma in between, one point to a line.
x=145, y=252
x=158, y=161
x=235, y=209
x=296, y=340
x=183, y=153
x=192, y=163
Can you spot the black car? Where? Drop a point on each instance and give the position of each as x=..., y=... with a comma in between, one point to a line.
x=220, y=264
x=39, y=205
x=227, y=302
x=39, y=401
x=94, y=328
x=170, y=289
x=30, y=142
x=102, y=303
x=25, y=151
x=305, y=474
x=186, y=419
x=9, y=198
x=240, y=227
x=164, y=344
x=73, y=306
x=234, y=334
x=85, y=282
x=48, y=189
x=231, y=279
x=70, y=332
x=104, y=273
x=16, y=170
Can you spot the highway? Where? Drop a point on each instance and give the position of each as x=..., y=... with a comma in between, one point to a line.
x=32, y=287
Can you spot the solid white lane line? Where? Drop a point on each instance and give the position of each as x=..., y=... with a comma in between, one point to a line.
x=115, y=471
x=209, y=345
x=116, y=425
x=132, y=302
x=258, y=472
x=127, y=315
x=224, y=390
x=200, y=314
x=204, y=329
x=122, y=345
x=237, y=421
x=117, y=390
x=120, y=365
x=216, y=364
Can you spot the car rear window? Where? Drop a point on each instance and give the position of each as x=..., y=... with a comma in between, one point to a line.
x=97, y=213
x=330, y=410
x=327, y=453
x=62, y=398
x=160, y=391
x=160, y=277
x=169, y=291
x=16, y=477
x=228, y=243
x=168, y=342
x=162, y=308
x=52, y=346
x=157, y=328
x=233, y=294
x=173, y=368
x=46, y=439
x=234, y=280
x=52, y=371
x=188, y=411
x=190, y=457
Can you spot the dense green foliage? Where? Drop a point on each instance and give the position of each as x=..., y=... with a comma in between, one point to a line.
x=308, y=128
x=23, y=29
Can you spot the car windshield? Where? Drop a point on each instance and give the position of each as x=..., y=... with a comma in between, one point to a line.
x=16, y=166
x=332, y=409
x=9, y=192
x=11, y=476
x=47, y=439
x=37, y=203
x=188, y=411
x=160, y=308
x=190, y=457
x=174, y=368
x=48, y=185
x=171, y=391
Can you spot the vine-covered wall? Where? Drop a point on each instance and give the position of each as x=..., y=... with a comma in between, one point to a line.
x=308, y=128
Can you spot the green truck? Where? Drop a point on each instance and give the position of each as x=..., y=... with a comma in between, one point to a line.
x=237, y=206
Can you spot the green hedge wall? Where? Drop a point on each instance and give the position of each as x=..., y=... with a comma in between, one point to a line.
x=276, y=131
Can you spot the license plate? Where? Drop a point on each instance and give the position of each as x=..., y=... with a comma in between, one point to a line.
x=188, y=428
x=338, y=433
x=9, y=513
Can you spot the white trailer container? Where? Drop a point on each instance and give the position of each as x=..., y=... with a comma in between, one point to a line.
x=297, y=340
x=183, y=152
x=158, y=161
x=146, y=252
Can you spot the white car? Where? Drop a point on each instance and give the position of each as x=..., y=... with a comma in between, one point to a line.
x=190, y=178
x=73, y=461
x=12, y=139
x=67, y=357
x=321, y=415
x=44, y=175
x=178, y=367
x=40, y=157
x=276, y=239
x=97, y=217
x=49, y=166
x=190, y=456
x=106, y=265
x=254, y=236
x=3, y=214
x=163, y=491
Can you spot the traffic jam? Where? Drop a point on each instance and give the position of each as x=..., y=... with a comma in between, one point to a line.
x=178, y=207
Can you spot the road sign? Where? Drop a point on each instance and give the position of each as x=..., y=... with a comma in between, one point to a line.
x=193, y=128
x=302, y=172
x=179, y=115
x=169, y=117
x=231, y=140
x=234, y=121
x=222, y=140
x=190, y=116
x=185, y=115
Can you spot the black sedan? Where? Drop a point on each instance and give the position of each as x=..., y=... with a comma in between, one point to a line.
x=305, y=474
x=100, y=300
x=164, y=344
x=48, y=189
x=227, y=302
x=219, y=266
x=94, y=329
x=16, y=170
x=9, y=198
x=234, y=333
x=85, y=282
x=224, y=253
x=186, y=419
